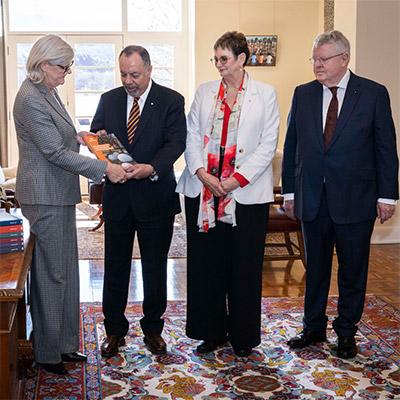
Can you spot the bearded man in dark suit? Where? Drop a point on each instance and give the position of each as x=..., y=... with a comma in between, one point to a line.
x=340, y=171
x=149, y=121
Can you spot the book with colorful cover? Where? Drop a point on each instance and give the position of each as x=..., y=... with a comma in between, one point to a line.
x=108, y=147
x=11, y=249
x=7, y=219
x=11, y=244
x=12, y=234
x=11, y=240
x=11, y=228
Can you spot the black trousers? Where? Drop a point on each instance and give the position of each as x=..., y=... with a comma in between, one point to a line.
x=154, y=239
x=352, y=247
x=224, y=276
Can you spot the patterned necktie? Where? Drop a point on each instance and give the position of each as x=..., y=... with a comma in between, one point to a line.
x=331, y=118
x=133, y=120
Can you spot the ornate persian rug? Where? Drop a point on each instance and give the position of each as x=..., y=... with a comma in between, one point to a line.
x=91, y=244
x=272, y=371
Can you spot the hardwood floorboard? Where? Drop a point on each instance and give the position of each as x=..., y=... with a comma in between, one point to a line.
x=280, y=278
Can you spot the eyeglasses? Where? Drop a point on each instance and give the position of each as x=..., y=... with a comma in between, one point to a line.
x=223, y=60
x=66, y=68
x=324, y=60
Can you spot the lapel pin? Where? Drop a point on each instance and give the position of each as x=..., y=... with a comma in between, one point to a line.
x=152, y=104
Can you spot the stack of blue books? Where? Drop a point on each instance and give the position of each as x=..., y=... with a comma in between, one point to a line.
x=11, y=233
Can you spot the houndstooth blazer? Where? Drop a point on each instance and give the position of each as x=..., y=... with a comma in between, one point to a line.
x=49, y=163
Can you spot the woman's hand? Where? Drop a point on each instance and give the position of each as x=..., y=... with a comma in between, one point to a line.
x=211, y=182
x=230, y=184
x=115, y=173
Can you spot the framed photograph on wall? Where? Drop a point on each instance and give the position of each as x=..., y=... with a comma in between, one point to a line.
x=262, y=50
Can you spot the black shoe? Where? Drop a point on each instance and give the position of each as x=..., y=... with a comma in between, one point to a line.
x=155, y=343
x=347, y=347
x=306, y=338
x=110, y=345
x=74, y=357
x=245, y=352
x=58, y=368
x=207, y=346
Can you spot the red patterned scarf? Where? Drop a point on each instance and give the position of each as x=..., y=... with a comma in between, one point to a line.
x=212, y=155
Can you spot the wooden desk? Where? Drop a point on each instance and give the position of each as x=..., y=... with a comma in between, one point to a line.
x=14, y=269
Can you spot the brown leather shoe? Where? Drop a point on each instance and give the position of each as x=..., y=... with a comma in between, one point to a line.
x=155, y=343
x=110, y=345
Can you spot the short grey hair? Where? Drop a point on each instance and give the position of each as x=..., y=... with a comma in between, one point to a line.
x=51, y=49
x=336, y=37
x=143, y=53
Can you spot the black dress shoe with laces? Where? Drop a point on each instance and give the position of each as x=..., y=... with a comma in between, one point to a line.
x=245, y=352
x=306, y=338
x=58, y=368
x=347, y=347
x=74, y=357
x=110, y=345
x=207, y=346
x=155, y=343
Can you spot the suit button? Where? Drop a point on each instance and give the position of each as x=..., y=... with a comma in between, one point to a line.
x=241, y=150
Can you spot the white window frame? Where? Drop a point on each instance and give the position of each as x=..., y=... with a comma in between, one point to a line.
x=183, y=43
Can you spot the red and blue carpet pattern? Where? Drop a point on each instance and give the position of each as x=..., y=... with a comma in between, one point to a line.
x=271, y=372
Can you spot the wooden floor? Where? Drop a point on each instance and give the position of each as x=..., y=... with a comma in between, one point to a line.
x=280, y=278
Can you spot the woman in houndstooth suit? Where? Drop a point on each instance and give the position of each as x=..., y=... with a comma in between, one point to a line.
x=48, y=189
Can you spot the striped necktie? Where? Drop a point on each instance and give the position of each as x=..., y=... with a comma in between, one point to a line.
x=133, y=120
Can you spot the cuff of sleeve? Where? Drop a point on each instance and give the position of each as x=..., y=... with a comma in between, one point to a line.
x=288, y=196
x=387, y=201
x=241, y=179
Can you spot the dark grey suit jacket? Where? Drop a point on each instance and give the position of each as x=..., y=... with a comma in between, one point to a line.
x=49, y=163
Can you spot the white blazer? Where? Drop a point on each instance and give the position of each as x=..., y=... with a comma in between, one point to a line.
x=256, y=141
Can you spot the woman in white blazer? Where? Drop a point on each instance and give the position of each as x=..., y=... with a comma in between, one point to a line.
x=231, y=141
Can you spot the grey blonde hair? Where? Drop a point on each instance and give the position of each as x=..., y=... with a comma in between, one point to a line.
x=336, y=37
x=51, y=49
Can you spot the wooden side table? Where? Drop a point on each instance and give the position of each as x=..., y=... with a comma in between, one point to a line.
x=14, y=333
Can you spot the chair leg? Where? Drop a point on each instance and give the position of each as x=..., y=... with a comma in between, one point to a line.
x=288, y=243
x=301, y=248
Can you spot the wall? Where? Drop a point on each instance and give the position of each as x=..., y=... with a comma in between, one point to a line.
x=3, y=98
x=296, y=22
x=375, y=37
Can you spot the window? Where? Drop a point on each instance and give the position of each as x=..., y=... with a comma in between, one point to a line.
x=69, y=16
x=95, y=73
x=98, y=30
x=155, y=15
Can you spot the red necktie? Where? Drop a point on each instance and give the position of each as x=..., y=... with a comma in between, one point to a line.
x=133, y=120
x=331, y=118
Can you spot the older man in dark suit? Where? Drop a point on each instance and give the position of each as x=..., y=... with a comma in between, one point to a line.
x=149, y=121
x=340, y=171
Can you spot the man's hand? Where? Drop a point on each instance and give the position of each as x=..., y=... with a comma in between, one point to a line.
x=211, y=182
x=288, y=206
x=385, y=211
x=138, y=171
x=80, y=135
x=230, y=184
x=115, y=173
